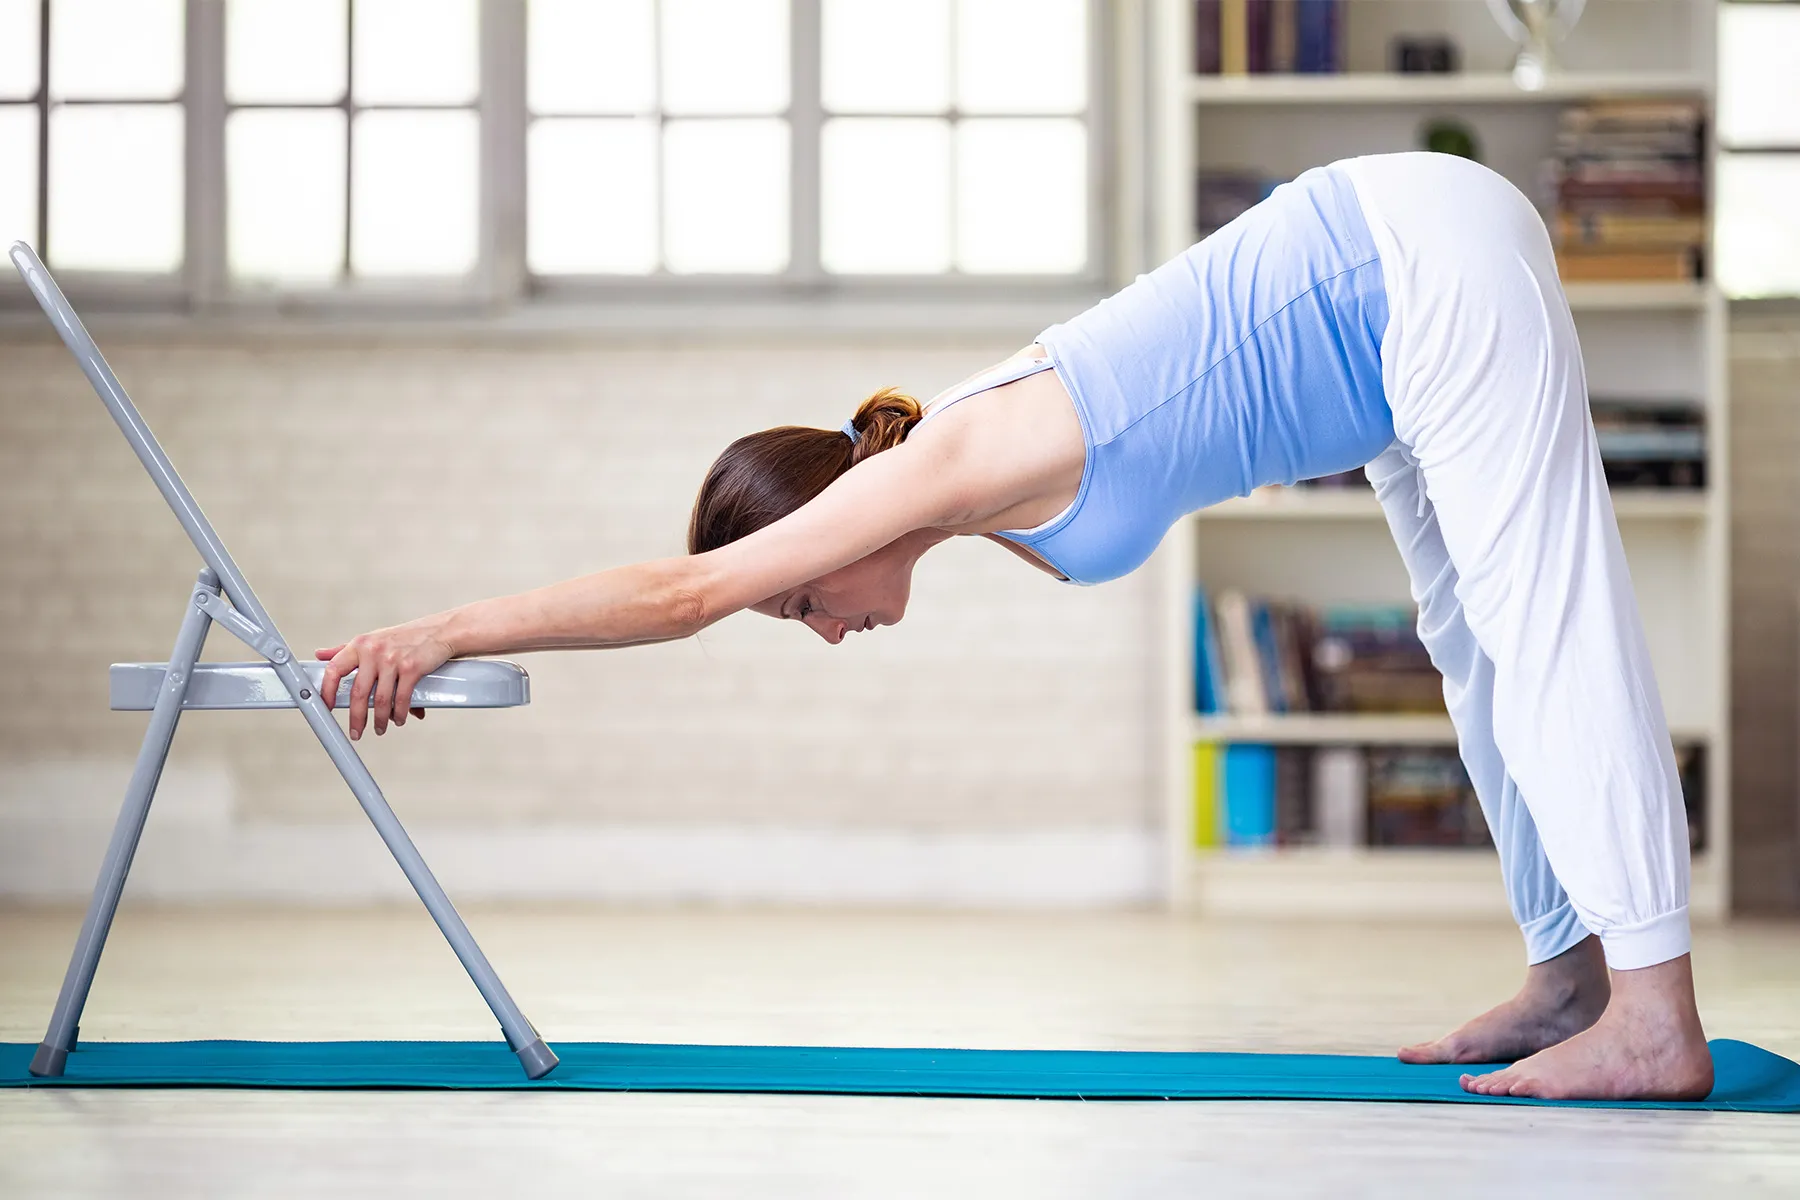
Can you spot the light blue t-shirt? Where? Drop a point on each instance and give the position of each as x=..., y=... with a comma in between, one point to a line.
x=1252, y=358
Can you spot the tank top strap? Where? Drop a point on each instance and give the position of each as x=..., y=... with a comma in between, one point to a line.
x=1010, y=371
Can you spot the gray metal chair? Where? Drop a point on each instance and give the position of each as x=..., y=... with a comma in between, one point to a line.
x=222, y=595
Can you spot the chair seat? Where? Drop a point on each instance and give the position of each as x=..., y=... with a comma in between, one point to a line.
x=463, y=683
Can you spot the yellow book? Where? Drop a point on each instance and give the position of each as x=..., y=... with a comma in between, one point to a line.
x=1206, y=795
x=1234, y=37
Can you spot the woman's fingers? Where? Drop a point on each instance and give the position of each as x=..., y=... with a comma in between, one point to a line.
x=368, y=672
x=383, y=708
x=342, y=663
x=403, y=691
x=326, y=655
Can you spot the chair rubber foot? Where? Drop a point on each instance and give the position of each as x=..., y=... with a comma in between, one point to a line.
x=49, y=1061
x=537, y=1059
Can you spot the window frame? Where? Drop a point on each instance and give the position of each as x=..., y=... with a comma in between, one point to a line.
x=501, y=280
x=1724, y=148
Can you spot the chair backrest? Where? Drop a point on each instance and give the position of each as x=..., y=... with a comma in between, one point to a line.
x=150, y=452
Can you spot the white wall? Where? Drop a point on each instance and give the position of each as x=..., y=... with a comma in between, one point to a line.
x=991, y=749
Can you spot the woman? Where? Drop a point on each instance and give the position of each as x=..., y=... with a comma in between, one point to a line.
x=1400, y=312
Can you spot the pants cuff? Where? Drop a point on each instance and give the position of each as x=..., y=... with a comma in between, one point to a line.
x=1630, y=947
x=1551, y=934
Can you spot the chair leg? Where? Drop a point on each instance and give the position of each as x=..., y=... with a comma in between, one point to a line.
x=537, y=1059
x=53, y=1052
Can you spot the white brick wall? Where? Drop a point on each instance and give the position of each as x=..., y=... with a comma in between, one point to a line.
x=361, y=483
x=994, y=748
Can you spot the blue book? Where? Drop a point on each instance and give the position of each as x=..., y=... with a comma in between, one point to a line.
x=1209, y=669
x=1268, y=656
x=1315, y=23
x=1249, y=784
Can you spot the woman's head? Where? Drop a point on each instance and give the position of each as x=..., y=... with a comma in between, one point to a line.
x=763, y=477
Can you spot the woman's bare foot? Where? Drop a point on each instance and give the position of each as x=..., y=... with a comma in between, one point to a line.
x=1648, y=1045
x=1561, y=997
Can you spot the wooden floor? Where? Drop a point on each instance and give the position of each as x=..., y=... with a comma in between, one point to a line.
x=1126, y=981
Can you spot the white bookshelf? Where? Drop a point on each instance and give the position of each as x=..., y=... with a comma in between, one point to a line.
x=1662, y=340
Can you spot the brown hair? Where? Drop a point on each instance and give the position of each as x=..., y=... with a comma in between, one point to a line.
x=765, y=476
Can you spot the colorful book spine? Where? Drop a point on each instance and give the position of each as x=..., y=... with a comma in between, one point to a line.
x=1209, y=671
x=1315, y=36
x=1207, y=814
x=1206, y=37
x=1249, y=777
x=1234, y=37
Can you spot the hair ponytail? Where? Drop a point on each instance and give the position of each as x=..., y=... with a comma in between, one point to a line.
x=882, y=422
x=765, y=476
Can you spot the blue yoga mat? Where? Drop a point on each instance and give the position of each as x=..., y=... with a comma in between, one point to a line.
x=1750, y=1079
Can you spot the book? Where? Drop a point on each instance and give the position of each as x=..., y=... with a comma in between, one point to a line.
x=1206, y=37
x=1206, y=795
x=1258, y=28
x=1602, y=266
x=1316, y=50
x=1421, y=796
x=1340, y=796
x=1249, y=777
x=1237, y=642
x=1618, y=229
x=1209, y=673
x=1234, y=37
x=1293, y=795
x=1283, y=43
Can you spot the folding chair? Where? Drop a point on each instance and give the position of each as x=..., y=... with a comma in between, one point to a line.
x=222, y=595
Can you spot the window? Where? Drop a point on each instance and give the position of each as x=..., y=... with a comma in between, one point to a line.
x=352, y=142
x=954, y=136
x=487, y=148
x=933, y=137
x=660, y=139
x=1757, y=230
x=92, y=132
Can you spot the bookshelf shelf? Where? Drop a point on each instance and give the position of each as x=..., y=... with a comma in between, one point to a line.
x=1354, y=729
x=1306, y=881
x=1377, y=87
x=1663, y=342
x=1332, y=504
x=1630, y=297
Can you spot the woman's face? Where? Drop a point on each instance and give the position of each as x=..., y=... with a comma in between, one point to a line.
x=870, y=592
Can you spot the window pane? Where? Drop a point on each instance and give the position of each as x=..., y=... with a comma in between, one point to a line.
x=592, y=56
x=285, y=194
x=116, y=49
x=1759, y=75
x=725, y=196
x=1756, y=240
x=886, y=195
x=116, y=187
x=416, y=52
x=592, y=196
x=885, y=57
x=1021, y=55
x=18, y=175
x=1021, y=196
x=724, y=56
x=286, y=51
x=18, y=49
x=415, y=193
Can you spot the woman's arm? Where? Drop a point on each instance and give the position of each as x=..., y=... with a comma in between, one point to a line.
x=913, y=486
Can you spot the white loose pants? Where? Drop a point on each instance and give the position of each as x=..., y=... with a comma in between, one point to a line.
x=1495, y=494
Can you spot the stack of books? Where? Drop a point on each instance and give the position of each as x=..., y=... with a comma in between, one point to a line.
x=1631, y=191
x=1255, y=656
x=1254, y=37
x=1649, y=443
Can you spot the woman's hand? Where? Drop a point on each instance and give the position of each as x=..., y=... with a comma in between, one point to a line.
x=388, y=664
